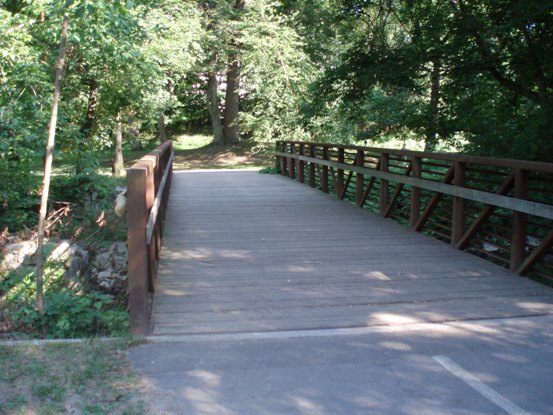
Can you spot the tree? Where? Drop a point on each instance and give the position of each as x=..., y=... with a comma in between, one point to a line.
x=48, y=170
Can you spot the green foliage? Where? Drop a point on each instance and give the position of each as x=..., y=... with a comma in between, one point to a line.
x=72, y=310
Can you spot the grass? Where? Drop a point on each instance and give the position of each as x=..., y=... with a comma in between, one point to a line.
x=86, y=378
x=192, y=142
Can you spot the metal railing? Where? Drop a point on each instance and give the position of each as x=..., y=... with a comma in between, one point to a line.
x=499, y=209
x=148, y=186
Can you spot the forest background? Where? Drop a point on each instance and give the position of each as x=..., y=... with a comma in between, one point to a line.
x=452, y=75
x=475, y=76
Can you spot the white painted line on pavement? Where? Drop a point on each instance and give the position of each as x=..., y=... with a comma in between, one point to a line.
x=480, y=386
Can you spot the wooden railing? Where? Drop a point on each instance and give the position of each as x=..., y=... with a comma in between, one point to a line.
x=499, y=209
x=148, y=185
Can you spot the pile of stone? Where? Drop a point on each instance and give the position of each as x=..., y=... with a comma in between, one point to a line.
x=104, y=267
x=109, y=267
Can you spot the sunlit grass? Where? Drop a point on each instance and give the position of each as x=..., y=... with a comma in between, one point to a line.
x=191, y=142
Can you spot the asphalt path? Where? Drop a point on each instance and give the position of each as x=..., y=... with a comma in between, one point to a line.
x=478, y=367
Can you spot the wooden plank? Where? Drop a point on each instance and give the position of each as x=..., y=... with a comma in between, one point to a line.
x=236, y=258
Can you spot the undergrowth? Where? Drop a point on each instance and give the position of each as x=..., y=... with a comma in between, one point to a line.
x=81, y=211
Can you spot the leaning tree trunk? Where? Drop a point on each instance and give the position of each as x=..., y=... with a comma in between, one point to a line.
x=48, y=171
x=213, y=108
x=118, y=167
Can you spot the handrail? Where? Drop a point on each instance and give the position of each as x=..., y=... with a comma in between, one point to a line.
x=500, y=209
x=148, y=186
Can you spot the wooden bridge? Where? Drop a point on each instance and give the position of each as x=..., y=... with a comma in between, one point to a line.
x=246, y=252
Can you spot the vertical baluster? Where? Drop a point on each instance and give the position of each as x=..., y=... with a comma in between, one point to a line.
x=311, y=172
x=416, y=168
x=292, y=162
x=384, y=185
x=458, y=213
x=340, y=179
x=518, y=239
x=324, y=178
x=360, y=179
x=301, y=165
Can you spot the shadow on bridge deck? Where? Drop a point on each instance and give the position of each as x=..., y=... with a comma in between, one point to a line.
x=245, y=252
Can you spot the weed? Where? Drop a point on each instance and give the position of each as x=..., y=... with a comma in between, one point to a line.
x=87, y=378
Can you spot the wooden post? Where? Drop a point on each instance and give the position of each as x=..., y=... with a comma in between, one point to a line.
x=301, y=165
x=384, y=189
x=324, y=177
x=415, y=211
x=137, y=217
x=292, y=162
x=458, y=214
x=518, y=239
x=360, y=179
x=311, y=172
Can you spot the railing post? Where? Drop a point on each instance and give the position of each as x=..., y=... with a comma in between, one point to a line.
x=458, y=214
x=340, y=178
x=311, y=172
x=292, y=162
x=360, y=179
x=415, y=209
x=137, y=217
x=283, y=160
x=518, y=239
x=301, y=165
x=384, y=185
x=324, y=178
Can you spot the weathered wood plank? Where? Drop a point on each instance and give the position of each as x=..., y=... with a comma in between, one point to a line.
x=248, y=252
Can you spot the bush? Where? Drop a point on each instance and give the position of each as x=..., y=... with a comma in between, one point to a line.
x=72, y=310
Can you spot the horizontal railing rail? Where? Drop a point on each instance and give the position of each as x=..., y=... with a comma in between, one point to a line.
x=148, y=186
x=499, y=209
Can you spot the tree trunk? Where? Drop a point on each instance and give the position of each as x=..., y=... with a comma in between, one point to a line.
x=86, y=129
x=433, y=111
x=118, y=167
x=213, y=108
x=48, y=171
x=161, y=128
x=231, y=129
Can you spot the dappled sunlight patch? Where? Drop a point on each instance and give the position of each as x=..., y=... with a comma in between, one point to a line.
x=390, y=318
x=536, y=307
x=206, y=401
x=392, y=345
x=307, y=407
x=209, y=378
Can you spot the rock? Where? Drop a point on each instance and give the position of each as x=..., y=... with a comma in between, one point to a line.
x=60, y=251
x=77, y=261
x=118, y=248
x=102, y=261
x=532, y=242
x=119, y=263
x=17, y=253
x=489, y=247
x=105, y=279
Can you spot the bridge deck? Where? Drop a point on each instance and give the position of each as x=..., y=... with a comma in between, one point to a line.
x=245, y=252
